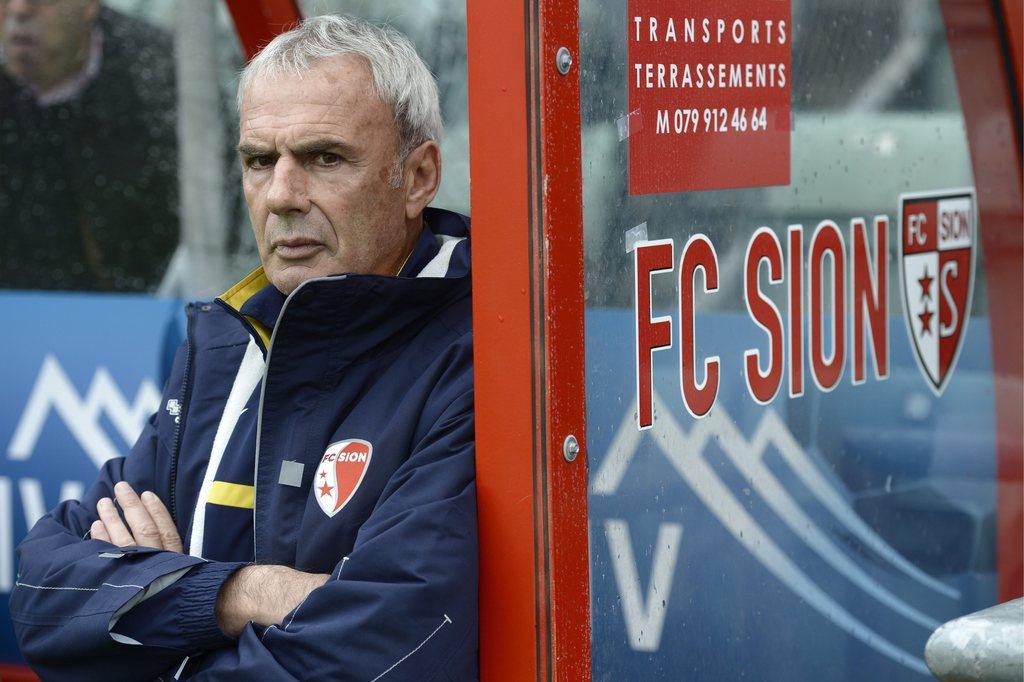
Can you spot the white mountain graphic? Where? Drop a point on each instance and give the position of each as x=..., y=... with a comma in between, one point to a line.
x=685, y=452
x=53, y=390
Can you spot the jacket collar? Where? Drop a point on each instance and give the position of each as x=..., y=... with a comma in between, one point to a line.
x=441, y=252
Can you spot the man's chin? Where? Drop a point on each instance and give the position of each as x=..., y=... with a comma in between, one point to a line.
x=286, y=285
x=22, y=66
x=287, y=278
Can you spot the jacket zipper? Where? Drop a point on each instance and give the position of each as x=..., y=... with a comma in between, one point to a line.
x=259, y=413
x=186, y=393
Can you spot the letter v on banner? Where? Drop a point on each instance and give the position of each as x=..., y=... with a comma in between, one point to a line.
x=643, y=613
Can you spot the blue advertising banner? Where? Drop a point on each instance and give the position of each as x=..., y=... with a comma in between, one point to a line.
x=820, y=537
x=81, y=374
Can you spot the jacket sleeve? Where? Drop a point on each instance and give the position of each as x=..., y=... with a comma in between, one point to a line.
x=71, y=590
x=403, y=604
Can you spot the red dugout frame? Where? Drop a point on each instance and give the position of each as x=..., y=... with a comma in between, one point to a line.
x=528, y=338
x=980, y=41
x=258, y=21
x=528, y=313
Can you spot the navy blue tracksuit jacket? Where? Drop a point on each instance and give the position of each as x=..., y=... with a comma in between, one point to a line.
x=331, y=431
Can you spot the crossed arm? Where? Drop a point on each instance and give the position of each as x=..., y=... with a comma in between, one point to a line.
x=258, y=594
x=401, y=601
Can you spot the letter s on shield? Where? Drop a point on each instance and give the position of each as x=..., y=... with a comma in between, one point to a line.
x=938, y=237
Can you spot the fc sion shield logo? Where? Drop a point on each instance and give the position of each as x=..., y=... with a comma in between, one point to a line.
x=341, y=470
x=938, y=237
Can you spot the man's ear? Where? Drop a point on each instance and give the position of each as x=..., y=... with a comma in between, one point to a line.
x=422, y=177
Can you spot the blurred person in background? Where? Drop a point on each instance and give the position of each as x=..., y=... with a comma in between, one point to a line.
x=88, y=149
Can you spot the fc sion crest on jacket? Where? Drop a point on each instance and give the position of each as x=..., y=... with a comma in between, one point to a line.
x=938, y=237
x=341, y=470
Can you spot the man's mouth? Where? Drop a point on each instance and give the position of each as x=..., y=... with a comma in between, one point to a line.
x=296, y=248
x=20, y=39
x=19, y=44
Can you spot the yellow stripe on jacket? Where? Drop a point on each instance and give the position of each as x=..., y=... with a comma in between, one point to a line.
x=232, y=495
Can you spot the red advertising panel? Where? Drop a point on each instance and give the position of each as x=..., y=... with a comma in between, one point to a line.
x=709, y=95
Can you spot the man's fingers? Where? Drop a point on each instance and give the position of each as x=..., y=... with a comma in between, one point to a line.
x=99, y=532
x=164, y=523
x=140, y=522
x=149, y=524
x=116, y=530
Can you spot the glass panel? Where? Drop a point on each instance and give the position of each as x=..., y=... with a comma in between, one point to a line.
x=438, y=30
x=90, y=156
x=826, y=528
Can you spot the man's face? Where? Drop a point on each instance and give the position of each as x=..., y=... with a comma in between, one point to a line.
x=45, y=41
x=318, y=151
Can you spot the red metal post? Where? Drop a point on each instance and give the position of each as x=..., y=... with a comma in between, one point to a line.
x=559, y=186
x=1013, y=21
x=528, y=335
x=502, y=326
x=987, y=95
x=258, y=21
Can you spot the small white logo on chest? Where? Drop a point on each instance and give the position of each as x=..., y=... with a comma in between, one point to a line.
x=340, y=473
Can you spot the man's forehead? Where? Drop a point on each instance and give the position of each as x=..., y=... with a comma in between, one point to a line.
x=335, y=95
x=332, y=81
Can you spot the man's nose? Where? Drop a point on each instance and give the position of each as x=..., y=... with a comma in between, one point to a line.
x=288, y=191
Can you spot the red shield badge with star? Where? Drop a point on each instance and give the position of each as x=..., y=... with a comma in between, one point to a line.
x=938, y=238
x=341, y=470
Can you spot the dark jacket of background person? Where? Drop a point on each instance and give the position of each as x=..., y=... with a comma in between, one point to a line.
x=88, y=187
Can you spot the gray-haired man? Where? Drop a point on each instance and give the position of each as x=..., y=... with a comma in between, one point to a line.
x=309, y=505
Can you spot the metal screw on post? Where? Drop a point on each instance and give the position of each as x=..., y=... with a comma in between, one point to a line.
x=570, y=448
x=563, y=60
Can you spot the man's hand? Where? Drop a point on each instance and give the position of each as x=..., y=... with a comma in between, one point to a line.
x=264, y=595
x=149, y=522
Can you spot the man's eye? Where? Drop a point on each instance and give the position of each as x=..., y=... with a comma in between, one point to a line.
x=259, y=162
x=328, y=159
